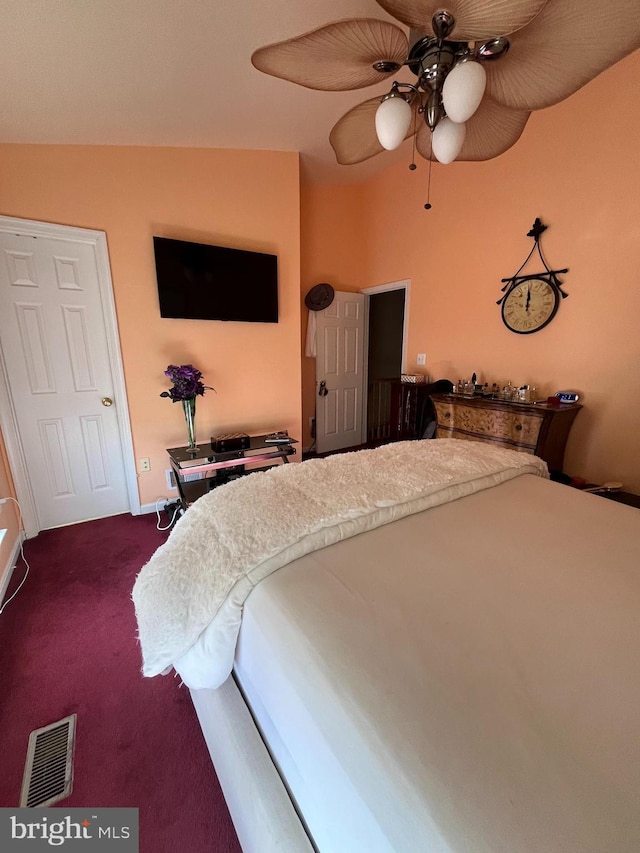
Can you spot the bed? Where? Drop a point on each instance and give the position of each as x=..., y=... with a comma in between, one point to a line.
x=425, y=647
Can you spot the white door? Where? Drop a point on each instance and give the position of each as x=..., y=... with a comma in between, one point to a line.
x=340, y=373
x=56, y=355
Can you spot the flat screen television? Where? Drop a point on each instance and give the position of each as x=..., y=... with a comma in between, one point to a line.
x=197, y=281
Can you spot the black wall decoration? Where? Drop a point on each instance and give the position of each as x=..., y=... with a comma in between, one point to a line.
x=530, y=302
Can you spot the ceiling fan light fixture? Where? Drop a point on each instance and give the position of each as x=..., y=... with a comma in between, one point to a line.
x=433, y=109
x=555, y=47
x=447, y=140
x=442, y=23
x=463, y=90
x=393, y=118
x=493, y=49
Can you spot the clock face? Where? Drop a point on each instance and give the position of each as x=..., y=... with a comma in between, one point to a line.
x=529, y=306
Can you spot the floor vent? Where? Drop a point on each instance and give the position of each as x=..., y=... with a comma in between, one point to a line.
x=48, y=773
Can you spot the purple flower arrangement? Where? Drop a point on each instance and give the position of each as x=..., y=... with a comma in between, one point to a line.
x=187, y=383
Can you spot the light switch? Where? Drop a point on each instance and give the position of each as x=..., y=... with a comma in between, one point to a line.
x=421, y=359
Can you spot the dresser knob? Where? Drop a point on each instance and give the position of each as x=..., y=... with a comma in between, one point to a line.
x=518, y=427
x=447, y=416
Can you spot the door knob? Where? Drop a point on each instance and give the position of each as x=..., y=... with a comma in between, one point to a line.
x=107, y=401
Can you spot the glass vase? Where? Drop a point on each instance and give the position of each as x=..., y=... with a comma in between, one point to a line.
x=189, y=406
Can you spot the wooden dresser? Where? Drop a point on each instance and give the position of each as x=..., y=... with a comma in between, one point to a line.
x=540, y=429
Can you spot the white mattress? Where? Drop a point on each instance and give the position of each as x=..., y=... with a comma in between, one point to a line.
x=465, y=679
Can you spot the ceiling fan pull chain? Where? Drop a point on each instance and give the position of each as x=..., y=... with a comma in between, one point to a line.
x=428, y=204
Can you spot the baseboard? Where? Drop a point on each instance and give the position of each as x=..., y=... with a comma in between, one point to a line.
x=7, y=573
x=158, y=506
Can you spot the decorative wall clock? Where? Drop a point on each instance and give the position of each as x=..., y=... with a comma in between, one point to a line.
x=530, y=302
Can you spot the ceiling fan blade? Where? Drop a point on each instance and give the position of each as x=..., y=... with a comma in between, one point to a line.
x=491, y=131
x=353, y=137
x=475, y=19
x=338, y=56
x=566, y=46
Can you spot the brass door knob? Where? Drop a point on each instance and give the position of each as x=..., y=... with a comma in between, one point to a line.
x=107, y=401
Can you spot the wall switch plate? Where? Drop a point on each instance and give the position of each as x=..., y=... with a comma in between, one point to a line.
x=421, y=359
x=144, y=464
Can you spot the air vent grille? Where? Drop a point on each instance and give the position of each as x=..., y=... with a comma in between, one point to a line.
x=48, y=772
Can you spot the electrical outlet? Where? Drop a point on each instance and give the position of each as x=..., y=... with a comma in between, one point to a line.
x=144, y=465
x=421, y=359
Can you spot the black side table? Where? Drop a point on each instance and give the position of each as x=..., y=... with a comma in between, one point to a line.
x=200, y=470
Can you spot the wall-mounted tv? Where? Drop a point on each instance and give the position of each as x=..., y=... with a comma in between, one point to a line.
x=197, y=281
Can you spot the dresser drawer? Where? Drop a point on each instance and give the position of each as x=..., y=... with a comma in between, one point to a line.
x=502, y=425
x=541, y=428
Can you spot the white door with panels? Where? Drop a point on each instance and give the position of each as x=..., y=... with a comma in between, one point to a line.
x=340, y=373
x=58, y=364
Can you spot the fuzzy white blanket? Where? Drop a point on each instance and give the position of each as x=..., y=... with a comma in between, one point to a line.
x=189, y=596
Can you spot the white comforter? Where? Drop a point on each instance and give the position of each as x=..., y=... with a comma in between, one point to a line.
x=189, y=596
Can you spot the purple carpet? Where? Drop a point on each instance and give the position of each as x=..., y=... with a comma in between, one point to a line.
x=68, y=645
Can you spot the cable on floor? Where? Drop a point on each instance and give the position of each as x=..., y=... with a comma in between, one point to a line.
x=24, y=560
x=177, y=512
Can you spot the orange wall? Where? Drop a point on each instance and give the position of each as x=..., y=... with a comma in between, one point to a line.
x=241, y=199
x=576, y=167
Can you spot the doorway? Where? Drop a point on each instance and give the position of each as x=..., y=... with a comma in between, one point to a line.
x=63, y=407
x=385, y=358
x=340, y=372
x=387, y=331
x=364, y=338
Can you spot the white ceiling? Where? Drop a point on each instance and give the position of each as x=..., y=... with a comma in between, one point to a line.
x=169, y=72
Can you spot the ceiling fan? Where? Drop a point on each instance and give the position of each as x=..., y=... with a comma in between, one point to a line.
x=480, y=66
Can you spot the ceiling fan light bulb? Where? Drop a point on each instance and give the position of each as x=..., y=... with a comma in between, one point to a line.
x=463, y=90
x=393, y=118
x=447, y=140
